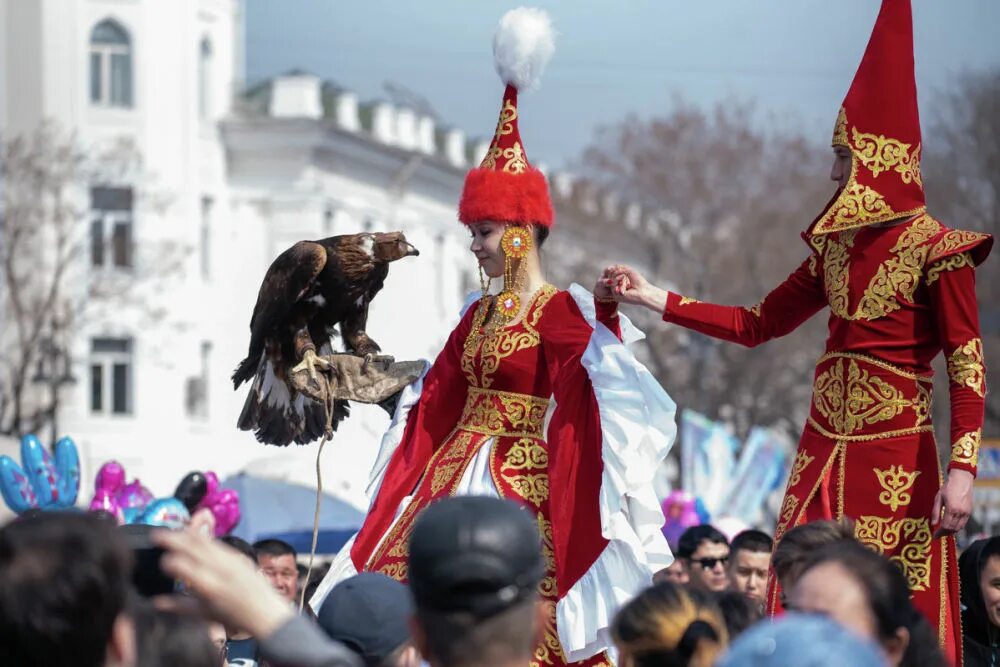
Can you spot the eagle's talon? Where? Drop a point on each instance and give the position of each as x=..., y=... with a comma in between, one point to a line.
x=310, y=361
x=385, y=359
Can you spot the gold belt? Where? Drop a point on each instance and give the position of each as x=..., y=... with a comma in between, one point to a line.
x=857, y=398
x=503, y=413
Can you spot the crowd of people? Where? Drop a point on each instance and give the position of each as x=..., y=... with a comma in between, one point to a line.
x=75, y=589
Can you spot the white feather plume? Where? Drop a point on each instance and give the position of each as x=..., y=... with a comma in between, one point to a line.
x=523, y=43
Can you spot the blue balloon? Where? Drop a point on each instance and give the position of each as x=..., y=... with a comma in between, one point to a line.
x=41, y=481
x=166, y=512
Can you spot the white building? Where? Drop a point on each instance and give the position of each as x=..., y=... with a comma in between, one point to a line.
x=243, y=177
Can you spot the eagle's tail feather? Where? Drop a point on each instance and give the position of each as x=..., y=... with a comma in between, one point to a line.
x=246, y=370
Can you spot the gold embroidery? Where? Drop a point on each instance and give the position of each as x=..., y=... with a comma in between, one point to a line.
x=503, y=413
x=880, y=154
x=954, y=239
x=950, y=263
x=490, y=160
x=788, y=506
x=516, y=162
x=527, y=454
x=840, y=129
x=505, y=125
x=397, y=571
x=812, y=265
x=966, y=448
x=685, y=300
x=850, y=400
x=885, y=535
x=965, y=367
x=442, y=475
x=755, y=309
x=898, y=276
x=896, y=482
x=494, y=342
x=798, y=465
x=453, y=458
x=867, y=437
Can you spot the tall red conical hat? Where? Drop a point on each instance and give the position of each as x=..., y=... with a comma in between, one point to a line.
x=505, y=187
x=879, y=123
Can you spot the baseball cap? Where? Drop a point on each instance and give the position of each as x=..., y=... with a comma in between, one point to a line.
x=369, y=613
x=801, y=640
x=474, y=554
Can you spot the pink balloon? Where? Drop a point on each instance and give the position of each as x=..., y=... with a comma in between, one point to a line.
x=225, y=507
x=104, y=501
x=212, y=481
x=110, y=477
x=133, y=494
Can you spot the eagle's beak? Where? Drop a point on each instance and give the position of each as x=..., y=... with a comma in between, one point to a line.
x=412, y=252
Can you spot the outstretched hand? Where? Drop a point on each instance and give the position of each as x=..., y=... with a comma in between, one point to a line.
x=626, y=285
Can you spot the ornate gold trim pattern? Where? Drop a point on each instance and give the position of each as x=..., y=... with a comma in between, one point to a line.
x=898, y=276
x=885, y=535
x=965, y=450
x=954, y=239
x=867, y=437
x=685, y=300
x=949, y=263
x=787, y=512
x=527, y=454
x=880, y=154
x=896, y=483
x=851, y=399
x=802, y=460
x=966, y=369
x=840, y=129
x=503, y=413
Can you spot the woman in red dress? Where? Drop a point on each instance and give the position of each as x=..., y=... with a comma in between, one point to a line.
x=534, y=397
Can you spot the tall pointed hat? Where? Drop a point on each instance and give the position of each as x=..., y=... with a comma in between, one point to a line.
x=880, y=125
x=505, y=187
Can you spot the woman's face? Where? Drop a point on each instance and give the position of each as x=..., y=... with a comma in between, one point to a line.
x=486, y=246
x=989, y=584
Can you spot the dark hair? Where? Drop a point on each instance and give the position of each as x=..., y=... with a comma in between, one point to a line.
x=462, y=638
x=888, y=597
x=738, y=610
x=166, y=639
x=751, y=540
x=64, y=578
x=240, y=545
x=801, y=542
x=664, y=626
x=541, y=235
x=273, y=548
x=991, y=548
x=692, y=538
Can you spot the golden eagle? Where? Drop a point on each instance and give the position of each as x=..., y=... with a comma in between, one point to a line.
x=310, y=289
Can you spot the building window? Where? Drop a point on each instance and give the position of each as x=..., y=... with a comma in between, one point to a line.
x=111, y=376
x=111, y=241
x=205, y=79
x=196, y=394
x=205, y=232
x=110, y=65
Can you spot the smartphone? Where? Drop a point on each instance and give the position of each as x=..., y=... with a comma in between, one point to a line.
x=147, y=576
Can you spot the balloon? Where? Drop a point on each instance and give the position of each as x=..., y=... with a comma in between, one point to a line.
x=225, y=507
x=212, y=480
x=110, y=477
x=192, y=490
x=133, y=494
x=41, y=481
x=104, y=501
x=166, y=512
x=679, y=513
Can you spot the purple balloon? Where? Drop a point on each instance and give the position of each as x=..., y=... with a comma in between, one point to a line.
x=110, y=477
x=133, y=494
x=212, y=481
x=104, y=501
x=225, y=507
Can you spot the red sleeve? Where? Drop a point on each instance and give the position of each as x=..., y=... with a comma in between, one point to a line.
x=574, y=439
x=786, y=307
x=607, y=314
x=953, y=297
x=442, y=399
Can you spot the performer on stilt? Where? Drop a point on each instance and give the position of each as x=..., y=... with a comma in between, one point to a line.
x=476, y=423
x=901, y=288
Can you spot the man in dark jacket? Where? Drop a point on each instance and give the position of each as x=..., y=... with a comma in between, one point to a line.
x=979, y=570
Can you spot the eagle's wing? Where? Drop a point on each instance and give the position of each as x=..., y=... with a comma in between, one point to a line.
x=287, y=280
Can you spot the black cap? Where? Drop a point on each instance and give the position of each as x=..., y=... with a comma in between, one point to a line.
x=369, y=613
x=474, y=554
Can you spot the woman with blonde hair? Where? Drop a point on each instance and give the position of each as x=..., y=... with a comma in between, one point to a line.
x=666, y=627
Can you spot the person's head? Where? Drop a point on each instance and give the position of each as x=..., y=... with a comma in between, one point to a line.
x=979, y=572
x=739, y=611
x=64, y=579
x=487, y=244
x=799, y=544
x=840, y=172
x=749, y=560
x=863, y=591
x=370, y=614
x=276, y=560
x=674, y=572
x=800, y=640
x=167, y=639
x=475, y=566
x=665, y=625
x=989, y=579
x=240, y=545
x=217, y=635
x=704, y=551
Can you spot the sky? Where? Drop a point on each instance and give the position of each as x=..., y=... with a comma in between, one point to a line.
x=794, y=58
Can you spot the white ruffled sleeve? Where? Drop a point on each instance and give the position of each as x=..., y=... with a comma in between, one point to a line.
x=637, y=428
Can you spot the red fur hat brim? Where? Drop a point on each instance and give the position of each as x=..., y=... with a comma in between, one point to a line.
x=504, y=197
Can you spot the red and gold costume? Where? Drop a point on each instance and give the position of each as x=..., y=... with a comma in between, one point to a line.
x=898, y=295
x=539, y=402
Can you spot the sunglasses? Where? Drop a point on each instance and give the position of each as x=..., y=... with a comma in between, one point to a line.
x=710, y=563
